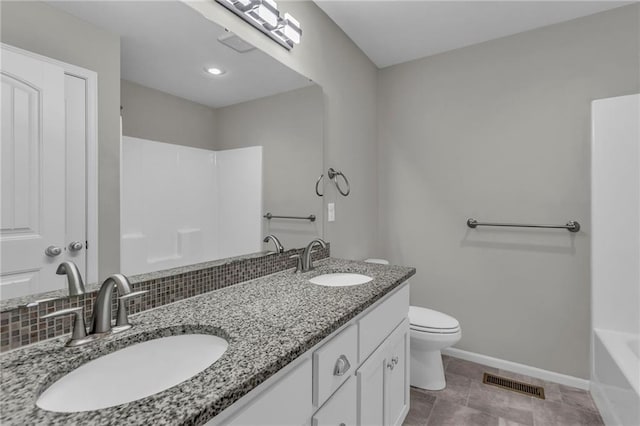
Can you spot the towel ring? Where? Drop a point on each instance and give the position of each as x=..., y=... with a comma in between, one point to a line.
x=317, y=183
x=333, y=175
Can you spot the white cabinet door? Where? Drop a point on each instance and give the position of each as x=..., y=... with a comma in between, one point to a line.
x=33, y=174
x=340, y=409
x=396, y=375
x=383, y=381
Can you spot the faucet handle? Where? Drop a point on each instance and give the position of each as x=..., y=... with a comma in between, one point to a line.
x=79, y=333
x=299, y=263
x=122, y=317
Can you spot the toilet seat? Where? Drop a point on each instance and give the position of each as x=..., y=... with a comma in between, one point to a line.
x=431, y=330
x=430, y=321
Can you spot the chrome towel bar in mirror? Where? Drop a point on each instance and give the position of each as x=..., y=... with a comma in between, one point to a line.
x=571, y=226
x=311, y=217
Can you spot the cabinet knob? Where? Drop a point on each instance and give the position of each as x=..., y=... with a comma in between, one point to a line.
x=394, y=360
x=390, y=365
x=342, y=366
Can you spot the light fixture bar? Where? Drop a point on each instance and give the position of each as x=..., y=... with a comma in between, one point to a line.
x=265, y=16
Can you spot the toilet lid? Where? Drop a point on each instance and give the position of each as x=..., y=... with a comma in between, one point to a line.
x=429, y=319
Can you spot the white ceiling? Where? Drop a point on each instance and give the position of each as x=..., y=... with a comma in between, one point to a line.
x=390, y=32
x=166, y=45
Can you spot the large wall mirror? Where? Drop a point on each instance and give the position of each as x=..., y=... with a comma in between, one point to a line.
x=216, y=134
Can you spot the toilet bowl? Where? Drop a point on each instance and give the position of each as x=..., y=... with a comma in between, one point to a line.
x=431, y=331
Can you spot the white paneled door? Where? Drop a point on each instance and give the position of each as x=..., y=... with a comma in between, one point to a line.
x=43, y=193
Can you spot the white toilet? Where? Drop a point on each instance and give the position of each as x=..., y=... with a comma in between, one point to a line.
x=431, y=331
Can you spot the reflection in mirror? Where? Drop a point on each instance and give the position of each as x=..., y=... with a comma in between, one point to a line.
x=215, y=134
x=206, y=152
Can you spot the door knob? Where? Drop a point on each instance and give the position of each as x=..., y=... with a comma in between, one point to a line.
x=52, y=251
x=75, y=246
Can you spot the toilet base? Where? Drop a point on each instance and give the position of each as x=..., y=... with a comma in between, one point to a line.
x=427, y=371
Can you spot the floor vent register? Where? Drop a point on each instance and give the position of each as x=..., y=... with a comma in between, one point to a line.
x=513, y=385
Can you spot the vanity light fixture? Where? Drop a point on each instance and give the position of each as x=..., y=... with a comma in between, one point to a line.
x=265, y=16
x=214, y=71
x=266, y=12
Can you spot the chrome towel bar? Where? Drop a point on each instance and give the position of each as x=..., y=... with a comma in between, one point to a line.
x=571, y=226
x=310, y=218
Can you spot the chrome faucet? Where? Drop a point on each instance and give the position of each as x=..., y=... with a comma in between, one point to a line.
x=101, y=319
x=306, y=262
x=74, y=279
x=276, y=241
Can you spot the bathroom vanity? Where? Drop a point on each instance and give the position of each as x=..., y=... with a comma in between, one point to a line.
x=357, y=375
x=299, y=353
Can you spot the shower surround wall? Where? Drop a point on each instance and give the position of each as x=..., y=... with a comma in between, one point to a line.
x=500, y=131
x=165, y=226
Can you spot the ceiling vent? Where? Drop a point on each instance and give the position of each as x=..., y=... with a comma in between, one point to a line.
x=236, y=43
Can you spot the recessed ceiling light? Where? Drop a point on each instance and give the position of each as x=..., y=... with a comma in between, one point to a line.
x=215, y=71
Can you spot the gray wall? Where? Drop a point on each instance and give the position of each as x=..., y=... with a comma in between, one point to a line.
x=289, y=128
x=500, y=131
x=39, y=28
x=151, y=114
x=348, y=79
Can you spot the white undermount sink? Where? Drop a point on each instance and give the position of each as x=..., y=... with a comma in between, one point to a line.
x=133, y=373
x=340, y=279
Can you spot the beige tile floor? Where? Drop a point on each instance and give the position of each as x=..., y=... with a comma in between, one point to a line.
x=466, y=401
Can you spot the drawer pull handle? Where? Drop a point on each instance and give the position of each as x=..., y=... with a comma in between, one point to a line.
x=342, y=366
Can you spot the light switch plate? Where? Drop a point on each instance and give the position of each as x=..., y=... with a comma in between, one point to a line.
x=331, y=212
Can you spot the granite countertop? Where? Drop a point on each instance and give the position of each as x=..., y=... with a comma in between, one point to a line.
x=268, y=322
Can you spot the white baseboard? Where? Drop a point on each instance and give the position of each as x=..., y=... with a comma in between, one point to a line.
x=514, y=367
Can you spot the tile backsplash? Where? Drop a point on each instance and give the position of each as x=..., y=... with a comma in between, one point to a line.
x=22, y=325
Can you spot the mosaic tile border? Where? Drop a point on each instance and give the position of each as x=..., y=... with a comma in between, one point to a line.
x=22, y=326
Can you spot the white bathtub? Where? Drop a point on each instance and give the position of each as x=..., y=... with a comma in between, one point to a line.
x=616, y=376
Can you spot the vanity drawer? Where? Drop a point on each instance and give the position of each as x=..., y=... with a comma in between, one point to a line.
x=341, y=409
x=380, y=322
x=334, y=363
